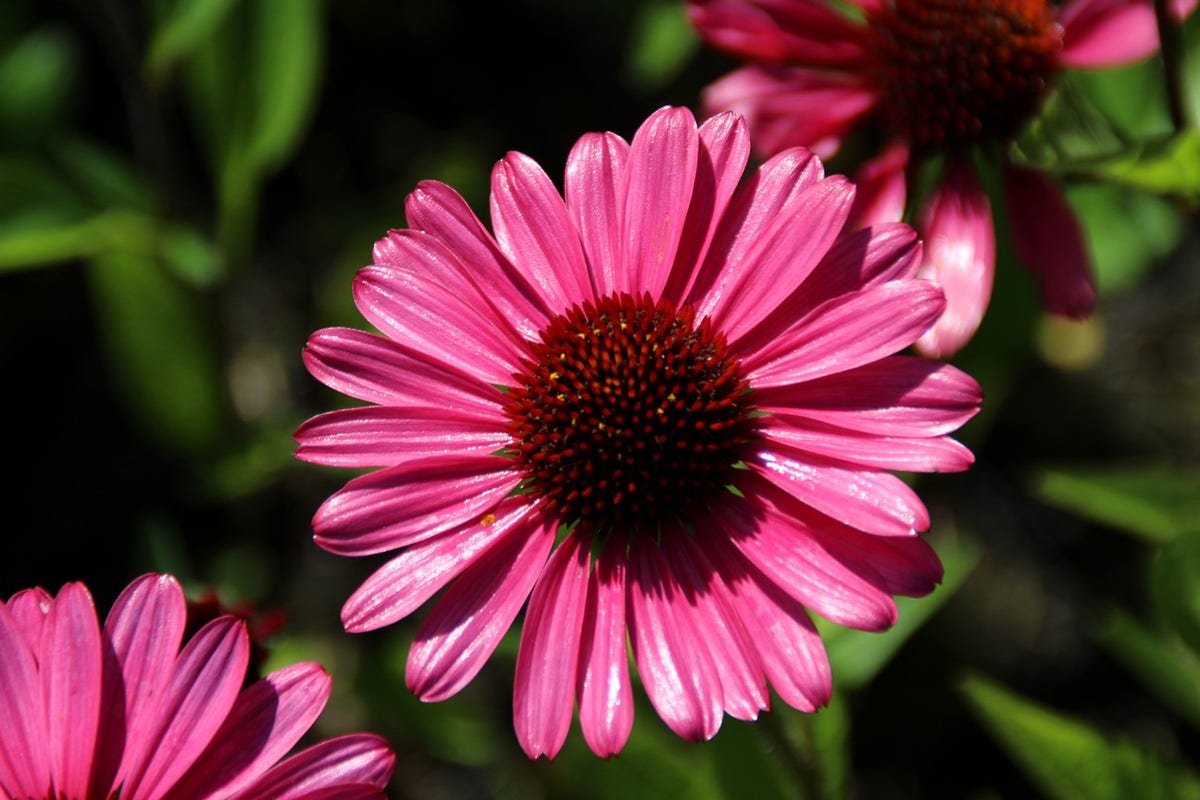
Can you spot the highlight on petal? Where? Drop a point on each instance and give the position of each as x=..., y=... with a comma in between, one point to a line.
x=1048, y=241
x=960, y=256
x=352, y=766
x=592, y=188
x=24, y=757
x=1107, y=33
x=605, y=695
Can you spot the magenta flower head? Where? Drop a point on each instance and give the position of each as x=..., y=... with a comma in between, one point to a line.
x=660, y=407
x=92, y=713
x=932, y=77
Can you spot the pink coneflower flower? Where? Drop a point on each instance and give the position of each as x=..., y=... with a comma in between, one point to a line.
x=949, y=77
x=662, y=410
x=91, y=713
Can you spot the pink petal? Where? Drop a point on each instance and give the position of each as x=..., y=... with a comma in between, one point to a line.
x=1107, y=33
x=673, y=659
x=710, y=607
x=24, y=761
x=535, y=232
x=605, y=693
x=657, y=190
x=1048, y=241
x=1181, y=9
x=960, y=256
x=548, y=658
x=592, y=188
x=847, y=332
x=385, y=436
x=29, y=608
x=904, y=565
x=808, y=437
x=782, y=257
x=403, y=584
x=779, y=30
x=440, y=211
x=374, y=369
x=754, y=207
x=882, y=187
x=401, y=505
x=265, y=722
x=70, y=672
x=895, y=396
x=720, y=163
x=145, y=626
x=771, y=535
x=430, y=319
x=205, y=682
x=793, y=107
x=788, y=644
x=467, y=623
x=347, y=762
x=876, y=502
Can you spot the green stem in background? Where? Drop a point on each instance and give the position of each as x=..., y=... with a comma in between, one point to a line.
x=1170, y=39
x=795, y=748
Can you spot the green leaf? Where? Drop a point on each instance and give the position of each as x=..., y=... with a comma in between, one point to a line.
x=1126, y=232
x=662, y=42
x=816, y=747
x=1163, y=665
x=1069, y=760
x=1167, y=167
x=1175, y=587
x=41, y=237
x=187, y=26
x=857, y=656
x=1152, y=502
x=105, y=178
x=36, y=75
x=158, y=349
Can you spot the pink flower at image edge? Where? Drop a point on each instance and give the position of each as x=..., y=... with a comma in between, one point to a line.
x=93, y=712
x=658, y=411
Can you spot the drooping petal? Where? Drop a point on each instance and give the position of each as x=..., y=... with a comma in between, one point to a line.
x=206, y=680
x=403, y=584
x=788, y=644
x=468, y=621
x=548, y=658
x=346, y=762
x=876, y=502
x=266, y=721
x=805, y=437
x=781, y=546
x=882, y=187
x=793, y=107
x=387, y=436
x=375, y=369
x=395, y=507
x=69, y=662
x=440, y=211
x=605, y=693
x=673, y=660
x=895, y=396
x=1106, y=33
x=776, y=31
x=847, y=332
x=710, y=607
x=592, y=189
x=1048, y=241
x=657, y=191
x=960, y=256
x=24, y=760
x=535, y=232
x=431, y=319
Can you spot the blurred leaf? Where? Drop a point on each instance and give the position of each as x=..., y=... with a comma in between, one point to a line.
x=1069, y=760
x=818, y=747
x=1175, y=586
x=857, y=656
x=253, y=467
x=1164, y=666
x=1153, y=502
x=1170, y=167
x=1126, y=232
x=105, y=178
x=158, y=349
x=36, y=75
x=662, y=41
x=192, y=257
x=744, y=765
x=185, y=27
x=46, y=236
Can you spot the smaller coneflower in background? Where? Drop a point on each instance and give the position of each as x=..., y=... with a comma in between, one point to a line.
x=936, y=78
x=662, y=407
x=119, y=711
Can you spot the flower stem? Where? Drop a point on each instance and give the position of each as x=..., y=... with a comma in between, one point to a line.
x=1170, y=39
x=798, y=757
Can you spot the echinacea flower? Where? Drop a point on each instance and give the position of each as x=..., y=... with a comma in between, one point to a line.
x=661, y=407
x=933, y=77
x=119, y=711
